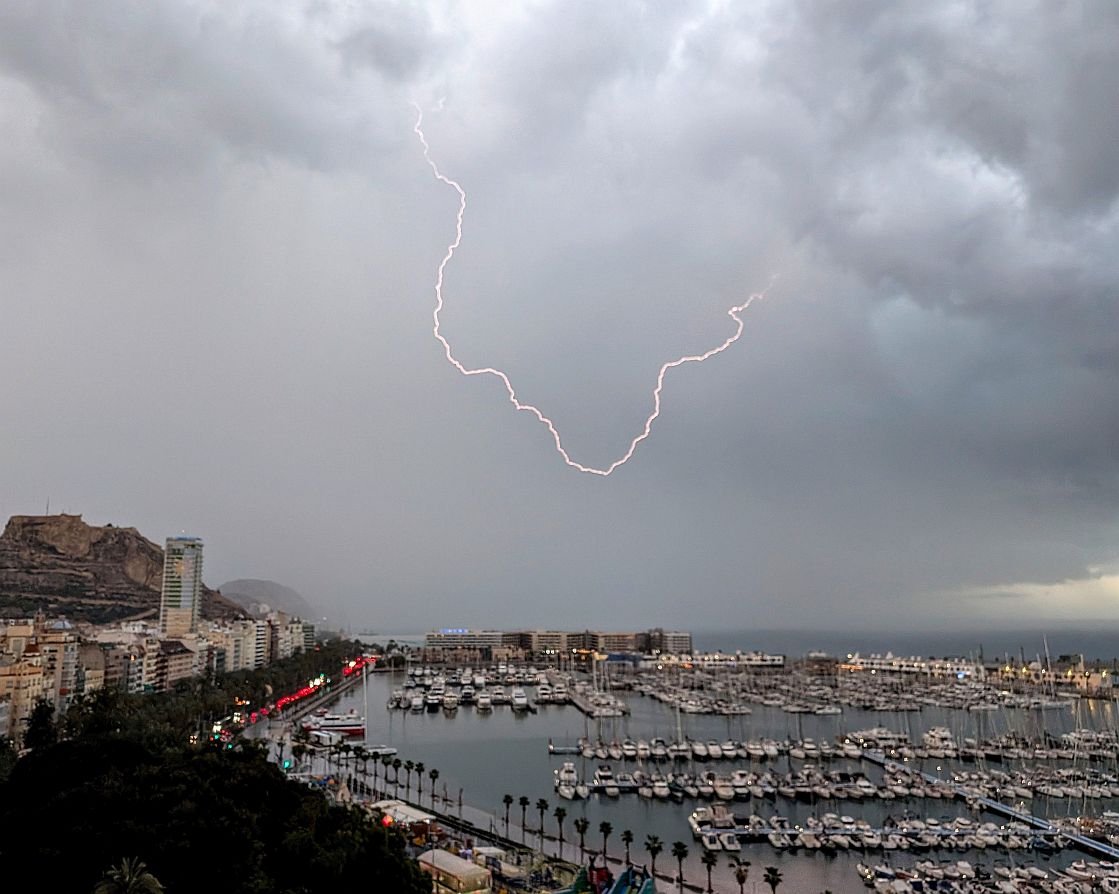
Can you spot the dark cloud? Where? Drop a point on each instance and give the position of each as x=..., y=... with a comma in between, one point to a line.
x=218, y=240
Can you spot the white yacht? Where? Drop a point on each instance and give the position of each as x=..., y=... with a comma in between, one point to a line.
x=483, y=701
x=520, y=700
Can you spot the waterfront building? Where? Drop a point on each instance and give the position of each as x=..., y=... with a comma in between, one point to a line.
x=960, y=668
x=173, y=662
x=22, y=683
x=91, y=667
x=464, y=638
x=673, y=642
x=5, y=717
x=538, y=642
x=181, y=597
x=58, y=644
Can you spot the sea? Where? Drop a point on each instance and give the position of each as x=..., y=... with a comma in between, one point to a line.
x=482, y=757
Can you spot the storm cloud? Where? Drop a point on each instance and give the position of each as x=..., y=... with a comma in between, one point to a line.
x=218, y=241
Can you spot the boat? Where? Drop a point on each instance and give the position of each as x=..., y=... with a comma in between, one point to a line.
x=450, y=701
x=483, y=701
x=710, y=841
x=348, y=724
x=520, y=700
x=728, y=841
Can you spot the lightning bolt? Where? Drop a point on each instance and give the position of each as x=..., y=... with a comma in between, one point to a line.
x=733, y=312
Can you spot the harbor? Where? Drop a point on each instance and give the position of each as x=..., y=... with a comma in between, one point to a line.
x=835, y=800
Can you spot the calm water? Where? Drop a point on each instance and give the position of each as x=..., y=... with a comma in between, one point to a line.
x=490, y=755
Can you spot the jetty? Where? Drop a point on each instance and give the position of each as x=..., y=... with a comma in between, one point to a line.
x=1082, y=842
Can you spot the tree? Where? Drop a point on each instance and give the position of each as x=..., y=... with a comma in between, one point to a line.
x=710, y=861
x=606, y=829
x=627, y=840
x=363, y=756
x=654, y=846
x=41, y=728
x=523, y=801
x=560, y=815
x=113, y=788
x=131, y=877
x=397, y=763
x=680, y=852
x=582, y=824
x=741, y=872
x=507, y=800
x=432, y=774
x=420, y=780
x=541, y=808
x=386, y=762
x=773, y=878
x=409, y=766
x=298, y=751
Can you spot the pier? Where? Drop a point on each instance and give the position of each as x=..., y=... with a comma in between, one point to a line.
x=1082, y=842
x=592, y=707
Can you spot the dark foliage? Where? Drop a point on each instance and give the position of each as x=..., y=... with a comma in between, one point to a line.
x=125, y=782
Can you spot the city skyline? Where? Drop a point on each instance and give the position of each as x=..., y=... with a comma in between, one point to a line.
x=221, y=246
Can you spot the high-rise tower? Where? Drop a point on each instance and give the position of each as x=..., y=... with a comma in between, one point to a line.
x=182, y=586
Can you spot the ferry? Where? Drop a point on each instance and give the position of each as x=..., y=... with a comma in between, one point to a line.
x=348, y=724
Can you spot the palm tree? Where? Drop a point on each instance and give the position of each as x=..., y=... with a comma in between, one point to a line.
x=741, y=872
x=397, y=763
x=420, y=780
x=680, y=852
x=627, y=840
x=386, y=762
x=432, y=774
x=581, y=826
x=654, y=846
x=772, y=878
x=524, y=802
x=541, y=807
x=409, y=766
x=560, y=816
x=710, y=861
x=606, y=829
x=131, y=877
x=362, y=757
x=344, y=751
x=508, y=802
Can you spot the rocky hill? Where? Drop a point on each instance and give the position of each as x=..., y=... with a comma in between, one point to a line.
x=60, y=565
x=258, y=597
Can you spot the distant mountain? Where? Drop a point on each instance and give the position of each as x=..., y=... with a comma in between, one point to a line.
x=60, y=565
x=261, y=596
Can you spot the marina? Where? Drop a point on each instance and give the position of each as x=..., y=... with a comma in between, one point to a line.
x=836, y=801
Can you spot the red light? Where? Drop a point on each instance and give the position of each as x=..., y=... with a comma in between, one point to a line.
x=386, y=820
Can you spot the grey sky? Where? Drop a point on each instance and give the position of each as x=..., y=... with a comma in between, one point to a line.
x=218, y=240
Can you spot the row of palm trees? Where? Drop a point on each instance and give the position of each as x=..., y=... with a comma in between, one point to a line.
x=653, y=844
x=341, y=752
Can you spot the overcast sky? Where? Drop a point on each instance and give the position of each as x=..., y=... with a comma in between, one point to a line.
x=218, y=245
